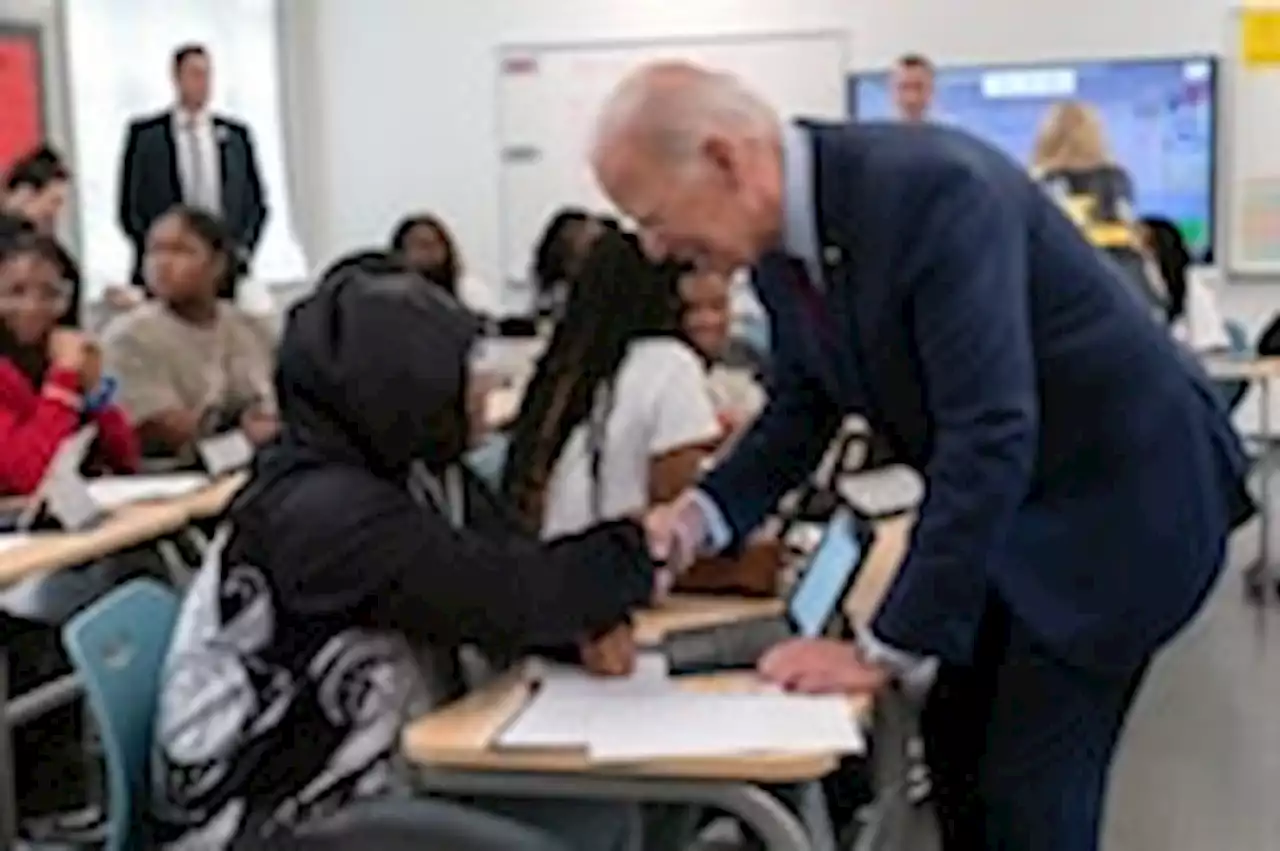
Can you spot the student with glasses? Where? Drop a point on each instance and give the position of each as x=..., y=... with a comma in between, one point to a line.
x=51, y=380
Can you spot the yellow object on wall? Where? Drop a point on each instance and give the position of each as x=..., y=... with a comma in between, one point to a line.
x=1260, y=37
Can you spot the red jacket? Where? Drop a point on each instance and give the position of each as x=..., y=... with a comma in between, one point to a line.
x=32, y=425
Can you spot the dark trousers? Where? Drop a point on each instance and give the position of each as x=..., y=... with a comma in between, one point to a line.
x=1019, y=744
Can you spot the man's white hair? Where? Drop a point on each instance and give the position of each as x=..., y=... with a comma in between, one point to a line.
x=671, y=107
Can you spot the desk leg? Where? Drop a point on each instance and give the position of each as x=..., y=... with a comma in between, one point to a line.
x=8, y=772
x=180, y=573
x=894, y=726
x=1260, y=579
x=817, y=817
x=1268, y=439
x=777, y=827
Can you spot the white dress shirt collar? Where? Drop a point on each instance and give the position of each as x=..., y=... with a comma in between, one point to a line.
x=799, y=223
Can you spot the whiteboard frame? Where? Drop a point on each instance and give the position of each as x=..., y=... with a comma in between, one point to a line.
x=512, y=49
x=1236, y=269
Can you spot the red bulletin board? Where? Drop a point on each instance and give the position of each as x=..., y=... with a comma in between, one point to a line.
x=21, y=93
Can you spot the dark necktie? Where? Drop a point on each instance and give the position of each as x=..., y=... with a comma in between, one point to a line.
x=812, y=303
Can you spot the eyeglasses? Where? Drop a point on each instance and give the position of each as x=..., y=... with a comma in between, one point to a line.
x=40, y=296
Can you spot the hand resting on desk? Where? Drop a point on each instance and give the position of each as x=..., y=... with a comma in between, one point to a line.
x=822, y=666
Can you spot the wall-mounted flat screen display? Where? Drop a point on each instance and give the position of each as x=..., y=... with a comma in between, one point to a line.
x=1160, y=117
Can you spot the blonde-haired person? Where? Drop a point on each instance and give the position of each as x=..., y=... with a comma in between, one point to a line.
x=1072, y=159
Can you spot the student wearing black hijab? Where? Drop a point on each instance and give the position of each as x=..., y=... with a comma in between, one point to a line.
x=358, y=538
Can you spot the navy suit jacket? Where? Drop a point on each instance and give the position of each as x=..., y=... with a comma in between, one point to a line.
x=150, y=185
x=1078, y=464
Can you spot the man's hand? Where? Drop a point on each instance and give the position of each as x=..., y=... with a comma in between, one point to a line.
x=676, y=531
x=612, y=654
x=821, y=666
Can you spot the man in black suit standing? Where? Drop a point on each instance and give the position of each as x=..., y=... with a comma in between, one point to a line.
x=188, y=155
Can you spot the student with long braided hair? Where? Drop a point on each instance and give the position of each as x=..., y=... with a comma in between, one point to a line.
x=617, y=415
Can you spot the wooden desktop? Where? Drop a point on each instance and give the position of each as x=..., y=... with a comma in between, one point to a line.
x=461, y=735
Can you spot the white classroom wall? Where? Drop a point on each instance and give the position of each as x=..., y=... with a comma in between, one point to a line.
x=401, y=93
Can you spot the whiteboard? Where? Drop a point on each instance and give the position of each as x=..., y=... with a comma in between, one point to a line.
x=549, y=97
x=1250, y=181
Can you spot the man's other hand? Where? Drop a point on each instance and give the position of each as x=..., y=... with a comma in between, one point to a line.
x=821, y=666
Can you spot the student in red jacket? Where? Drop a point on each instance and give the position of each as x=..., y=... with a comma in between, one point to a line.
x=50, y=377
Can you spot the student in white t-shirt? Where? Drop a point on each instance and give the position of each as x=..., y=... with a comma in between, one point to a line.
x=617, y=416
x=731, y=367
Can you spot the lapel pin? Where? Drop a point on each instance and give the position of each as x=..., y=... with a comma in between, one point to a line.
x=831, y=255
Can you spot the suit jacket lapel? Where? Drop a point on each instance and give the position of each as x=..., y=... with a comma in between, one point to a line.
x=842, y=258
x=222, y=141
x=169, y=148
x=868, y=295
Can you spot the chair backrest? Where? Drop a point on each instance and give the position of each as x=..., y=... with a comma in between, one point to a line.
x=1233, y=392
x=1237, y=337
x=118, y=646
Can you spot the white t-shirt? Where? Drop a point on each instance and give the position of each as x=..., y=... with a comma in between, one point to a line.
x=660, y=404
x=479, y=295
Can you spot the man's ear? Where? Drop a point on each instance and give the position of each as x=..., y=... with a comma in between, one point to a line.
x=724, y=157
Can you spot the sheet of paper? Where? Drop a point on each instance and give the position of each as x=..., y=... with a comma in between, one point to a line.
x=225, y=453
x=647, y=716
x=114, y=491
x=686, y=724
x=63, y=489
x=567, y=698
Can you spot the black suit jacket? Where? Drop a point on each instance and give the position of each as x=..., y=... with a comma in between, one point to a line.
x=150, y=184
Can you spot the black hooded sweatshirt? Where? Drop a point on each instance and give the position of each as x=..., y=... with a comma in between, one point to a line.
x=291, y=670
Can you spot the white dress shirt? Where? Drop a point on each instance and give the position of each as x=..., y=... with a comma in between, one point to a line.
x=199, y=166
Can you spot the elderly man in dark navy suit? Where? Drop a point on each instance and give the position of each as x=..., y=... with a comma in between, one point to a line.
x=1082, y=477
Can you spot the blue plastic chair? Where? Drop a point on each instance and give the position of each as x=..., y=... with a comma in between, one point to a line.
x=1233, y=392
x=118, y=646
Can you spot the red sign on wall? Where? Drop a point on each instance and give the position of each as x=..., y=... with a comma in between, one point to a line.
x=21, y=93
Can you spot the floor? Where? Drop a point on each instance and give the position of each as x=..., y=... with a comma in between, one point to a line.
x=1199, y=768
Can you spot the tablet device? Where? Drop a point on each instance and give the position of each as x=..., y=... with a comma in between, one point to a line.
x=833, y=566
x=815, y=603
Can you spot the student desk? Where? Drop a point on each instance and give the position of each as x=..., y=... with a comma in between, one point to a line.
x=452, y=746
x=1263, y=372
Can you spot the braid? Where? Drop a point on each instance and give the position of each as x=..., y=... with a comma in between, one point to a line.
x=617, y=298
